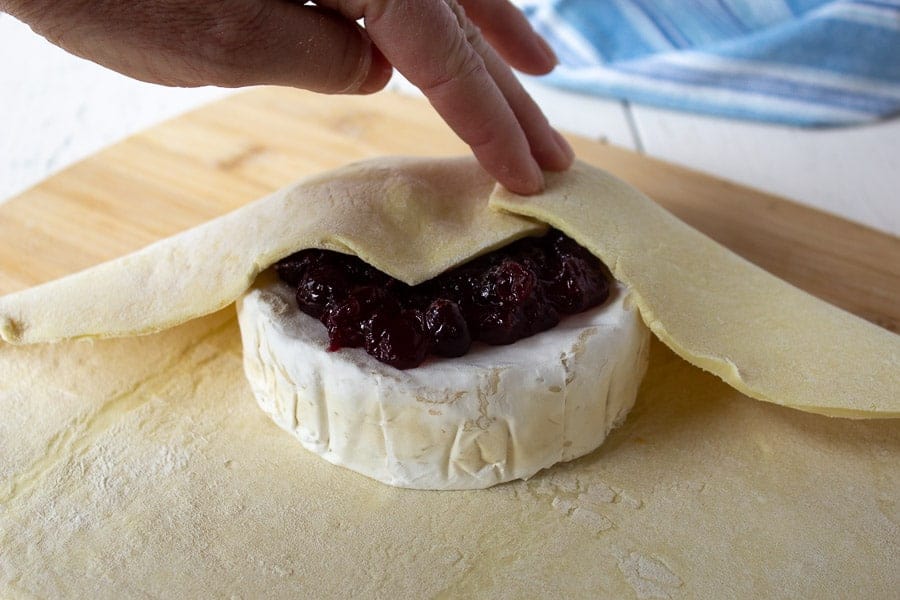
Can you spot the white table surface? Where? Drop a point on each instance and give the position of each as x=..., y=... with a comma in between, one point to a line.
x=56, y=109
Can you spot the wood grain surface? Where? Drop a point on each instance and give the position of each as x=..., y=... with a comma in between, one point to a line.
x=210, y=161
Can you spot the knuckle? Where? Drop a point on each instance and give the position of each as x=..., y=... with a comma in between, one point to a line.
x=462, y=65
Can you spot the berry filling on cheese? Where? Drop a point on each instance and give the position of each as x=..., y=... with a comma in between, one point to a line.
x=498, y=298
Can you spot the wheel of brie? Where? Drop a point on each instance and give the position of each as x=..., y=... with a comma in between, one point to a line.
x=496, y=414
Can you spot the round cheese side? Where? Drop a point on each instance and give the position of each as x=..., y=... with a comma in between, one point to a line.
x=496, y=414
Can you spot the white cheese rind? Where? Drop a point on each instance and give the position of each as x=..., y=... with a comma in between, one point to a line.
x=496, y=414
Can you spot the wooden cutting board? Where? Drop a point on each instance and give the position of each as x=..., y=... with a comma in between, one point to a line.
x=214, y=159
x=143, y=468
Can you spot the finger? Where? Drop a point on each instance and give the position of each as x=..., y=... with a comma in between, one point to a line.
x=289, y=44
x=548, y=147
x=508, y=31
x=230, y=43
x=425, y=42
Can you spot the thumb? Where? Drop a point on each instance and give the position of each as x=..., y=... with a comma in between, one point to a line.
x=295, y=45
x=232, y=43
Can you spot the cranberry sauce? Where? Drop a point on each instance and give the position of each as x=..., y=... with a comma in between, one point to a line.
x=498, y=298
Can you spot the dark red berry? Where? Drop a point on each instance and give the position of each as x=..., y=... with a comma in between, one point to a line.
x=456, y=285
x=577, y=286
x=501, y=325
x=374, y=299
x=320, y=286
x=540, y=314
x=509, y=283
x=445, y=324
x=291, y=269
x=397, y=339
x=342, y=320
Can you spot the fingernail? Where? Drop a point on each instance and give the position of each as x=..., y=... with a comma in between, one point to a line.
x=548, y=51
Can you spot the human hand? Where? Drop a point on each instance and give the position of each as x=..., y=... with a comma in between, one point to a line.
x=433, y=43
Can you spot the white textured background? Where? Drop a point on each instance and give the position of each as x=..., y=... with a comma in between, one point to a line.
x=56, y=108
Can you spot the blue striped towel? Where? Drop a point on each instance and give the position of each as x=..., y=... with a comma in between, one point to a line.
x=799, y=62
